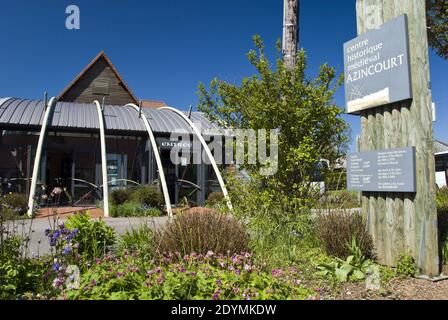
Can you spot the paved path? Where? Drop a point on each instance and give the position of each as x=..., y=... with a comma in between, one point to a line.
x=39, y=243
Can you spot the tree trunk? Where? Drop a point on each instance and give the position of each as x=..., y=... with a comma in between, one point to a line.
x=290, y=34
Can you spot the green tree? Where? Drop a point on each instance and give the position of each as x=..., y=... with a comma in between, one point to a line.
x=310, y=124
x=437, y=21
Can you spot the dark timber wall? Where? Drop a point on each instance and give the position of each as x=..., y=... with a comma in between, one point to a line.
x=98, y=75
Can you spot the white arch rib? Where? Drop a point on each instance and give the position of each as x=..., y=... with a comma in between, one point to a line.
x=103, y=159
x=158, y=160
x=37, y=158
x=207, y=151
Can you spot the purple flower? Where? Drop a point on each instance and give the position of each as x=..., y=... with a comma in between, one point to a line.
x=67, y=250
x=235, y=290
x=72, y=234
x=62, y=226
x=47, y=232
x=238, y=272
x=58, y=282
x=182, y=269
x=52, y=242
x=215, y=295
x=56, y=266
x=276, y=272
x=56, y=234
x=218, y=282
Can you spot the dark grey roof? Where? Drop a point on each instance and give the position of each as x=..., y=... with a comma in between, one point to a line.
x=440, y=146
x=26, y=114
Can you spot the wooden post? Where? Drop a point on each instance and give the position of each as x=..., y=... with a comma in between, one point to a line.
x=403, y=223
x=290, y=27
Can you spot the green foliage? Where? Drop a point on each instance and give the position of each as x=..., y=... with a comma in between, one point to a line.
x=437, y=22
x=309, y=123
x=337, y=229
x=336, y=180
x=214, y=198
x=339, y=199
x=133, y=209
x=120, y=196
x=16, y=204
x=19, y=276
x=354, y=267
x=138, y=240
x=442, y=199
x=386, y=273
x=406, y=266
x=201, y=232
x=153, y=212
x=442, y=219
x=148, y=196
x=281, y=227
x=94, y=236
x=193, y=277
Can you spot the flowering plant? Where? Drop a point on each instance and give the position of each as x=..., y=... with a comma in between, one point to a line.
x=64, y=252
x=189, y=277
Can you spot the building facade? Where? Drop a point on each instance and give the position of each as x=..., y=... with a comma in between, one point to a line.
x=71, y=156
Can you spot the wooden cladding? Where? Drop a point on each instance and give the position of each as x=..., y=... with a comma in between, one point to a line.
x=101, y=87
x=98, y=81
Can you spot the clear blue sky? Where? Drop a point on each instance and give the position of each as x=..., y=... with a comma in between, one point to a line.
x=163, y=49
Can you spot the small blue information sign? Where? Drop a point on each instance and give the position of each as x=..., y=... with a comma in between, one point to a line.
x=391, y=170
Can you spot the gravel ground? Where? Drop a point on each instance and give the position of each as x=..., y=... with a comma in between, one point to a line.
x=397, y=289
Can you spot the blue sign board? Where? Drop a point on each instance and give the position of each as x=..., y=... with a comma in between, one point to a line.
x=377, y=67
x=391, y=170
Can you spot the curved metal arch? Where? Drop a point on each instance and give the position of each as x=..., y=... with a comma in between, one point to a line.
x=207, y=151
x=37, y=158
x=158, y=159
x=125, y=180
x=103, y=159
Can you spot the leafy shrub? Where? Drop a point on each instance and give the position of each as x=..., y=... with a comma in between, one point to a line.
x=353, y=267
x=191, y=277
x=133, y=209
x=153, y=212
x=336, y=230
x=94, y=236
x=16, y=203
x=406, y=266
x=200, y=232
x=281, y=227
x=442, y=199
x=127, y=209
x=442, y=219
x=336, y=180
x=138, y=240
x=148, y=196
x=214, y=198
x=120, y=196
x=19, y=275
